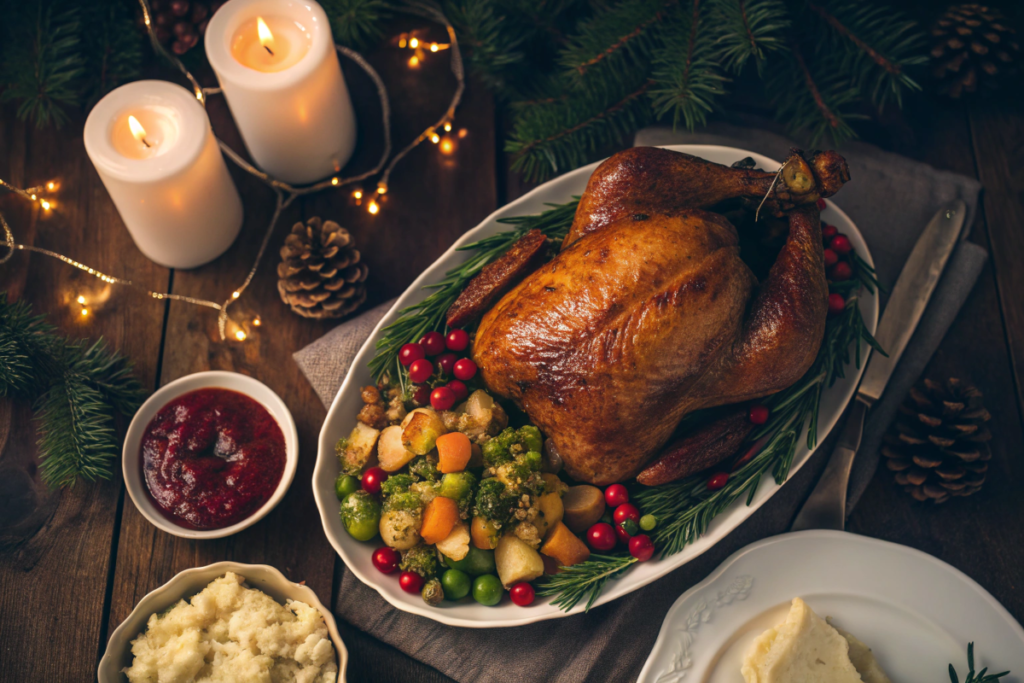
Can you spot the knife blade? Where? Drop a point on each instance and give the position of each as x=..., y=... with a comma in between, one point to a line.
x=826, y=506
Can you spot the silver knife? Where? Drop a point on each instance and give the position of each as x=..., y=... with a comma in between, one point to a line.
x=826, y=506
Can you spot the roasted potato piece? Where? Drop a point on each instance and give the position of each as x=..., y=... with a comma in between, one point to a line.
x=392, y=455
x=516, y=561
x=456, y=545
x=584, y=506
x=355, y=451
x=549, y=512
x=565, y=546
x=400, y=529
x=420, y=434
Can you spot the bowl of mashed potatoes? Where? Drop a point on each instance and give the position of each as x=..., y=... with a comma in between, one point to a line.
x=227, y=622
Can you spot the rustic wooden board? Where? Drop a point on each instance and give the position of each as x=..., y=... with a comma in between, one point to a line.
x=55, y=547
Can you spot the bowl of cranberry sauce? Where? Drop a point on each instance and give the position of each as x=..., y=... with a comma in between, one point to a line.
x=210, y=454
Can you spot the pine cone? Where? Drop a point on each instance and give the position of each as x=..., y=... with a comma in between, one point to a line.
x=939, y=447
x=180, y=24
x=972, y=46
x=320, y=275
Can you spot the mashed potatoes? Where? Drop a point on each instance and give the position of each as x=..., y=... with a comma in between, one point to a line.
x=233, y=634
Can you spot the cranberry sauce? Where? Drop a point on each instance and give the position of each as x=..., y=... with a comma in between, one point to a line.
x=211, y=458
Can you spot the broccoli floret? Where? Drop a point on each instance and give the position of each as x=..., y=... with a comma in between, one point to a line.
x=420, y=559
x=498, y=451
x=424, y=467
x=522, y=445
x=494, y=501
x=396, y=483
x=406, y=500
x=531, y=438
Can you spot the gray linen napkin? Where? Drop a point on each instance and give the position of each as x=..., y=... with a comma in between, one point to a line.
x=890, y=199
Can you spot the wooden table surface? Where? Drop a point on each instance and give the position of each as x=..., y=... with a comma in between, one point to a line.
x=73, y=563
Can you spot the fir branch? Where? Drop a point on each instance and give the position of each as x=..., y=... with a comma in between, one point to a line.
x=878, y=45
x=583, y=580
x=622, y=33
x=552, y=138
x=815, y=99
x=748, y=29
x=42, y=61
x=981, y=677
x=111, y=45
x=77, y=389
x=686, y=70
x=493, y=46
x=357, y=23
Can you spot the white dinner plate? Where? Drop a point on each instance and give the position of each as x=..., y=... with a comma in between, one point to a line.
x=915, y=612
x=341, y=419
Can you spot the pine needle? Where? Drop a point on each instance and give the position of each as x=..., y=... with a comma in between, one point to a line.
x=357, y=23
x=747, y=30
x=981, y=677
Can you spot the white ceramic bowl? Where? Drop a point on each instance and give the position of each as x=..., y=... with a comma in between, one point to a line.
x=342, y=417
x=214, y=379
x=188, y=583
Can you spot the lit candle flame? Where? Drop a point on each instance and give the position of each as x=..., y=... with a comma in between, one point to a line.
x=138, y=132
x=266, y=37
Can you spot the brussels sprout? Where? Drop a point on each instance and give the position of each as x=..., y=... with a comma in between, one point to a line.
x=458, y=486
x=432, y=592
x=421, y=559
x=360, y=513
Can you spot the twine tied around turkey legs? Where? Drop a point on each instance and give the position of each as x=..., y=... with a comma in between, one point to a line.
x=284, y=193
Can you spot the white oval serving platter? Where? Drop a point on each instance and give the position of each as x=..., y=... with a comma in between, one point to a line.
x=915, y=612
x=341, y=419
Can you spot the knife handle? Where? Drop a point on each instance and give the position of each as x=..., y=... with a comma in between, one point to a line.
x=826, y=506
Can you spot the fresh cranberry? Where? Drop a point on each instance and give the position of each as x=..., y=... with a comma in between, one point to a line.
x=442, y=398
x=386, y=560
x=421, y=370
x=758, y=414
x=373, y=478
x=641, y=547
x=432, y=343
x=828, y=232
x=840, y=272
x=836, y=304
x=616, y=495
x=841, y=244
x=457, y=340
x=601, y=537
x=831, y=258
x=821, y=204
x=411, y=353
x=458, y=388
x=421, y=395
x=411, y=582
x=465, y=369
x=718, y=481
x=522, y=594
x=445, y=363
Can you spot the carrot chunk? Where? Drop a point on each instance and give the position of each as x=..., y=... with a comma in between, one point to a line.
x=440, y=517
x=454, y=452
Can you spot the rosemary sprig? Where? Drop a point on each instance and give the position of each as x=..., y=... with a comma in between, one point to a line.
x=981, y=677
x=584, y=580
x=429, y=314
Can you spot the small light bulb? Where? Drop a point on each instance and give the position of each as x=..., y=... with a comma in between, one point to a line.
x=414, y=62
x=33, y=197
x=414, y=43
x=235, y=295
x=403, y=40
x=373, y=208
x=240, y=335
x=45, y=204
x=435, y=138
x=357, y=194
x=51, y=186
x=334, y=181
x=447, y=146
x=447, y=126
x=257, y=321
x=433, y=47
x=463, y=132
x=382, y=188
x=81, y=299
x=85, y=311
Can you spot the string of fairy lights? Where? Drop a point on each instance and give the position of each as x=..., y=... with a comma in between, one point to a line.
x=440, y=133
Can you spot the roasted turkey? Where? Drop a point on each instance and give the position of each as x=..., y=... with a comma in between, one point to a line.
x=648, y=313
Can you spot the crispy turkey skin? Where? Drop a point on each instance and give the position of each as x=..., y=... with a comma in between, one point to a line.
x=648, y=312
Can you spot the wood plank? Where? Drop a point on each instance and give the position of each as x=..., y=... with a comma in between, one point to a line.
x=55, y=547
x=997, y=128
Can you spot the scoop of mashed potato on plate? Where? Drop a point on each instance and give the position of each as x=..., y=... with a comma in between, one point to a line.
x=807, y=649
x=230, y=633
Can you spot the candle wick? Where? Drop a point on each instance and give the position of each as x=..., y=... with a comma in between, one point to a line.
x=144, y=142
x=267, y=48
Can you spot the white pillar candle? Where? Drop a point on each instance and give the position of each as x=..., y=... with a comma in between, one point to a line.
x=154, y=150
x=278, y=68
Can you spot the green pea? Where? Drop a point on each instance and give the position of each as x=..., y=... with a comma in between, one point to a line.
x=360, y=513
x=648, y=522
x=344, y=485
x=487, y=590
x=460, y=565
x=479, y=562
x=456, y=584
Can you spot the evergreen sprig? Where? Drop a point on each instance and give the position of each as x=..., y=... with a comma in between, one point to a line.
x=357, y=23
x=57, y=55
x=981, y=677
x=583, y=580
x=748, y=30
x=76, y=388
